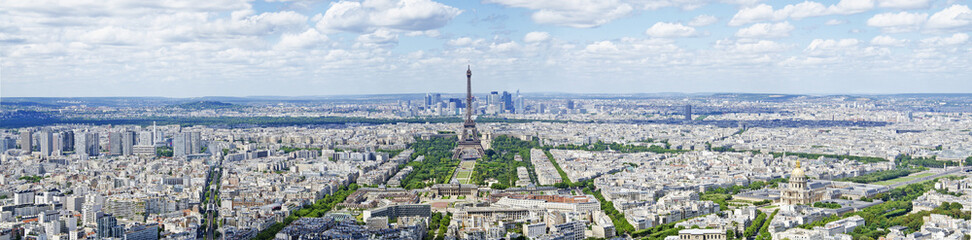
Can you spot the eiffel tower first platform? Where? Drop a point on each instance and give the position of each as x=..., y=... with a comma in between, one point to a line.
x=469, y=146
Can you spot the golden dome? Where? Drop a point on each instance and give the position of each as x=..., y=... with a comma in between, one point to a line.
x=797, y=172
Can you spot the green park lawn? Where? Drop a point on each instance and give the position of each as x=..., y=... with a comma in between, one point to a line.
x=893, y=181
x=922, y=175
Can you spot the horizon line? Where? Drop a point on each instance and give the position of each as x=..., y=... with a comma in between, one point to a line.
x=522, y=93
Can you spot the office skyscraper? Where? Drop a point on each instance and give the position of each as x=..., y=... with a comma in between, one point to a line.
x=570, y=104
x=146, y=138
x=127, y=143
x=7, y=143
x=507, y=102
x=180, y=147
x=114, y=143
x=687, y=112
x=456, y=103
x=121, y=143
x=86, y=144
x=186, y=143
x=493, y=103
x=195, y=142
x=518, y=107
x=46, y=140
x=57, y=149
x=157, y=137
x=26, y=141
x=67, y=141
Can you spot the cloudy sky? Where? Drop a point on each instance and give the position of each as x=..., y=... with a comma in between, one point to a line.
x=187, y=48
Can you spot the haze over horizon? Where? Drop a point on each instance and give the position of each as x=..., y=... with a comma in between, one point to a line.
x=483, y=94
x=324, y=48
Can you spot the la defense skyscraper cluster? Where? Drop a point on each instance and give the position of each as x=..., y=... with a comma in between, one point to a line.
x=469, y=147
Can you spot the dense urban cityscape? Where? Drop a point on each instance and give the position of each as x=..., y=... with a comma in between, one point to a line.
x=539, y=166
x=485, y=120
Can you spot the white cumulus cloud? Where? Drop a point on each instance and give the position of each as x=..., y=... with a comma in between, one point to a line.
x=308, y=39
x=112, y=35
x=264, y=23
x=572, y=13
x=764, y=12
x=399, y=15
x=884, y=40
x=851, y=6
x=753, y=14
x=955, y=16
x=601, y=47
x=379, y=38
x=750, y=46
x=904, y=4
x=465, y=41
x=955, y=39
x=534, y=37
x=897, y=22
x=819, y=47
x=669, y=30
x=766, y=30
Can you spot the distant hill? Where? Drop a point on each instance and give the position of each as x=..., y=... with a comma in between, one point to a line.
x=208, y=105
x=26, y=104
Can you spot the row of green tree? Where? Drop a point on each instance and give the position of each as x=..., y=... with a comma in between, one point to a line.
x=31, y=179
x=928, y=162
x=759, y=228
x=894, y=212
x=617, y=147
x=500, y=161
x=438, y=225
x=764, y=233
x=289, y=149
x=658, y=232
x=753, y=228
x=564, y=180
x=438, y=165
x=621, y=224
x=730, y=149
x=881, y=175
x=861, y=159
x=318, y=209
x=906, y=165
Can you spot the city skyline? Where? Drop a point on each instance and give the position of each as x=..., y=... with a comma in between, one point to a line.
x=746, y=166
x=309, y=48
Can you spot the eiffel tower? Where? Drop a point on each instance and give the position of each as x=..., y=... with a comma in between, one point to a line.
x=469, y=147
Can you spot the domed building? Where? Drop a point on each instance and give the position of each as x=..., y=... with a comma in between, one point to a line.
x=797, y=191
